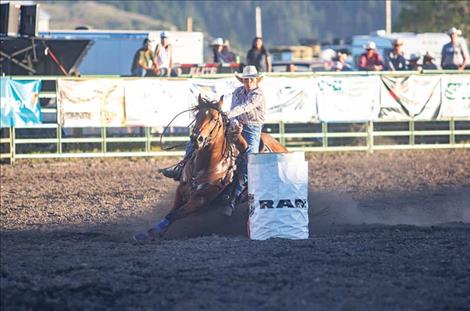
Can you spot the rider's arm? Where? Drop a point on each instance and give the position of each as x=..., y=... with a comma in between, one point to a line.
x=252, y=101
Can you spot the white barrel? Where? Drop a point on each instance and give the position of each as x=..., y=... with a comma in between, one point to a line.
x=278, y=195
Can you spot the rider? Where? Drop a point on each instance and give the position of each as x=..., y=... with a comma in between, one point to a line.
x=247, y=111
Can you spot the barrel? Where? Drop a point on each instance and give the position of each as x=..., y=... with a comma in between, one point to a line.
x=278, y=195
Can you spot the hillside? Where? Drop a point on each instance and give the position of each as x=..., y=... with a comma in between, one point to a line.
x=68, y=15
x=284, y=22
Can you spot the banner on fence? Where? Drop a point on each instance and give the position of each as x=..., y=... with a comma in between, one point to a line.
x=413, y=96
x=344, y=99
x=455, y=92
x=152, y=102
x=19, y=102
x=292, y=97
x=91, y=103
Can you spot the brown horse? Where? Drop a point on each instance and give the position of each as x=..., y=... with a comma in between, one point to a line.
x=211, y=168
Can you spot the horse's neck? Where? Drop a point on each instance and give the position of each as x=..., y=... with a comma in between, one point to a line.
x=212, y=154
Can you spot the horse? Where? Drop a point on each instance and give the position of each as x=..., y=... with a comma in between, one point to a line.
x=212, y=167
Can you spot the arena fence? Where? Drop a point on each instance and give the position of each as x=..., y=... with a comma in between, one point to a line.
x=50, y=140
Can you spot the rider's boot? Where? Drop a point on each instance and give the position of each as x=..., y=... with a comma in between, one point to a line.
x=174, y=171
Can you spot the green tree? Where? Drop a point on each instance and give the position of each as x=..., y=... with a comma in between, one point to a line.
x=434, y=16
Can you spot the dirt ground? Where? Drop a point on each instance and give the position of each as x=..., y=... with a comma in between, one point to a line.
x=388, y=230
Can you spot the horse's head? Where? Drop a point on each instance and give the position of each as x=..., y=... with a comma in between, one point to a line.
x=209, y=123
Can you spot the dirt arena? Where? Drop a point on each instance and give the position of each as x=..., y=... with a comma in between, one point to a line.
x=389, y=230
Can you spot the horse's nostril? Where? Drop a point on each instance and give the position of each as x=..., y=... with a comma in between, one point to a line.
x=200, y=139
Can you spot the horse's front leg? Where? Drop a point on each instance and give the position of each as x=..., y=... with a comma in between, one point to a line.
x=198, y=199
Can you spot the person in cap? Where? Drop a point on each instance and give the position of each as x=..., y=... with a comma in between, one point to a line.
x=428, y=62
x=163, y=58
x=454, y=55
x=370, y=60
x=227, y=53
x=393, y=58
x=258, y=56
x=142, y=63
x=217, y=55
x=247, y=113
x=340, y=63
x=413, y=62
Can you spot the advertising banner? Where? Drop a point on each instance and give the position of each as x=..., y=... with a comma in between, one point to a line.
x=290, y=99
x=287, y=99
x=455, y=96
x=154, y=102
x=19, y=102
x=414, y=96
x=343, y=99
x=91, y=103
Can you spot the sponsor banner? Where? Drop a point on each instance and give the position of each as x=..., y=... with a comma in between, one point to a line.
x=455, y=96
x=414, y=96
x=213, y=89
x=343, y=99
x=154, y=102
x=287, y=99
x=91, y=103
x=19, y=102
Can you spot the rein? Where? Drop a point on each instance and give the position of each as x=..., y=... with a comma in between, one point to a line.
x=168, y=125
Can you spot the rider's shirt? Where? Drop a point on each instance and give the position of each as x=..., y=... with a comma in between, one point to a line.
x=248, y=107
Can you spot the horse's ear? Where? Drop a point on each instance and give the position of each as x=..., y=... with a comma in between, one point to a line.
x=199, y=98
x=221, y=100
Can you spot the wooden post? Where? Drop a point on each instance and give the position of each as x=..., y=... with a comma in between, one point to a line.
x=259, y=30
x=189, y=24
x=388, y=16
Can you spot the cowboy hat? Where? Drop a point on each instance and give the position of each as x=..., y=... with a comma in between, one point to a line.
x=218, y=41
x=249, y=72
x=454, y=30
x=370, y=46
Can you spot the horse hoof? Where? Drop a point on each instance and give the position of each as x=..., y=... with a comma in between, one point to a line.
x=228, y=210
x=142, y=236
x=149, y=235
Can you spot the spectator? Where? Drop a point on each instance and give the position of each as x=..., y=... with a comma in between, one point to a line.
x=413, y=62
x=370, y=60
x=217, y=46
x=163, y=58
x=394, y=59
x=428, y=63
x=454, y=55
x=143, y=60
x=227, y=54
x=291, y=68
x=340, y=63
x=258, y=56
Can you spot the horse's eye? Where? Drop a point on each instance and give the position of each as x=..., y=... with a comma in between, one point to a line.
x=207, y=112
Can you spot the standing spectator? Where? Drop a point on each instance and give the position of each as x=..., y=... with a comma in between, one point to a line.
x=143, y=60
x=454, y=55
x=227, y=53
x=394, y=59
x=164, y=57
x=413, y=62
x=428, y=63
x=258, y=56
x=370, y=60
x=340, y=63
x=217, y=56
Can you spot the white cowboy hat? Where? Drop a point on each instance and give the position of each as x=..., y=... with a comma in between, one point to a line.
x=218, y=41
x=370, y=46
x=454, y=30
x=249, y=72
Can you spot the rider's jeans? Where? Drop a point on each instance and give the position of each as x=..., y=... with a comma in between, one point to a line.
x=252, y=135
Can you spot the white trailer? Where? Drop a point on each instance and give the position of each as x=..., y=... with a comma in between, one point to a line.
x=113, y=50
